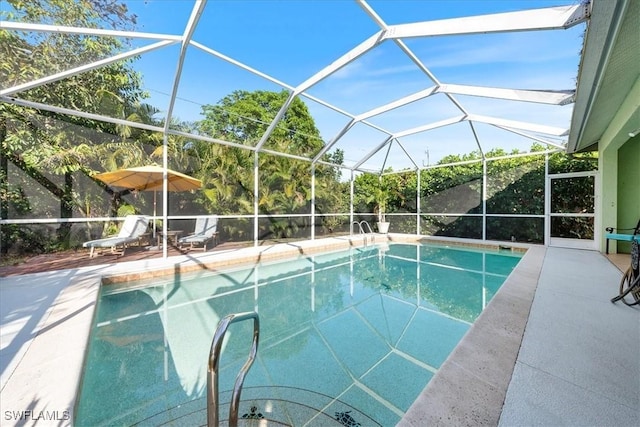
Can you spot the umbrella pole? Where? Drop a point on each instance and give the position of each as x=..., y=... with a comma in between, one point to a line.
x=154, y=214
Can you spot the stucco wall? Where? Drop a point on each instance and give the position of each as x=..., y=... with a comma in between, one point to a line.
x=628, y=187
x=618, y=160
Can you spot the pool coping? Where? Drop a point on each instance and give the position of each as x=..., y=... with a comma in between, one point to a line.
x=45, y=375
x=471, y=385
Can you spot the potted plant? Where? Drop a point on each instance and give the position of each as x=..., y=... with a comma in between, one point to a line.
x=382, y=196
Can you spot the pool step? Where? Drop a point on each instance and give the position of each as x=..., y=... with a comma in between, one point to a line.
x=286, y=407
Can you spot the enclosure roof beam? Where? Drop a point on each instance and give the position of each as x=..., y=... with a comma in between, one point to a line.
x=552, y=18
x=409, y=53
x=386, y=156
x=282, y=84
x=537, y=19
x=561, y=97
x=190, y=28
x=350, y=56
x=407, y=153
x=45, y=28
x=344, y=60
x=272, y=126
x=397, y=103
x=344, y=113
x=430, y=126
x=526, y=135
x=84, y=68
x=382, y=109
x=76, y=113
x=372, y=153
x=333, y=140
x=138, y=125
x=379, y=21
x=475, y=136
x=384, y=27
x=240, y=64
x=548, y=130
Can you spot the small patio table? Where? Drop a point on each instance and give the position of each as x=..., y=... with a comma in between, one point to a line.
x=172, y=235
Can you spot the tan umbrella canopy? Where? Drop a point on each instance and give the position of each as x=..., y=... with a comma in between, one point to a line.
x=149, y=178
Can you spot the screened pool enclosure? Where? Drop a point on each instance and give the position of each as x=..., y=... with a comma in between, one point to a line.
x=301, y=119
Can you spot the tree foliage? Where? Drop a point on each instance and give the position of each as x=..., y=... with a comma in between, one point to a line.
x=284, y=182
x=43, y=144
x=515, y=186
x=244, y=117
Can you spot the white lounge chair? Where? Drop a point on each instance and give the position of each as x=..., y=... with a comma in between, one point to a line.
x=206, y=229
x=133, y=228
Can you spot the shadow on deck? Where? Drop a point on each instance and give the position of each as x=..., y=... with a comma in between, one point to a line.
x=80, y=258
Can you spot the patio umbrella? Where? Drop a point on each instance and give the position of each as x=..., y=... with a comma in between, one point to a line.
x=149, y=178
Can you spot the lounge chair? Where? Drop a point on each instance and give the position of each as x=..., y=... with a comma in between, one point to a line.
x=621, y=236
x=133, y=228
x=630, y=283
x=206, y=229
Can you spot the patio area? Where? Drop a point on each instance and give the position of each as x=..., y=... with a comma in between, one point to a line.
x=80, y=258
x=560, y=353
x=578, y=361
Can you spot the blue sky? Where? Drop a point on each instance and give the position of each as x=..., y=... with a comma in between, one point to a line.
x=292, y=40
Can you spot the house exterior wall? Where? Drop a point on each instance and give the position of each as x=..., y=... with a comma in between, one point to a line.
x=628, y=187
x=619, y=191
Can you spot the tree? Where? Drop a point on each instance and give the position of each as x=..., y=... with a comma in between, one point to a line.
x=284, y=183
x=244, y=117
x=44, y=144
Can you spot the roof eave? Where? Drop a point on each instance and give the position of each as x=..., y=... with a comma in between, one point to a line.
x=600, y=38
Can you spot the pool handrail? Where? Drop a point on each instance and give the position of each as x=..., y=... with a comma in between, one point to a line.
x=368, y=226
x=361, y=228
x=214, y=360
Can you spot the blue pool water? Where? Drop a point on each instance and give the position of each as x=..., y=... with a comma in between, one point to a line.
x=351, y=336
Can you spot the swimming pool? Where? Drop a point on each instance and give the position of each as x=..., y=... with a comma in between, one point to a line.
x=350, y=336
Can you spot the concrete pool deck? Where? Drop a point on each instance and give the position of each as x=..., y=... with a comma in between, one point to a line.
x=549, y=350
x=564, y=356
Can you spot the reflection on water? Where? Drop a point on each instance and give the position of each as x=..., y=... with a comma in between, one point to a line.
x=369, y=327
